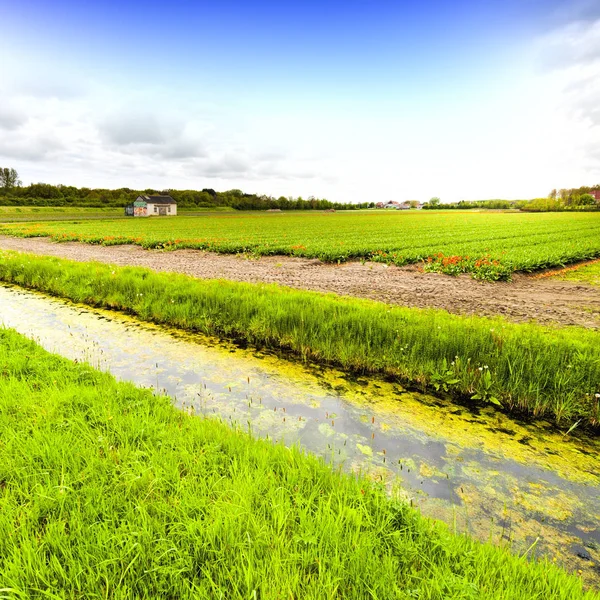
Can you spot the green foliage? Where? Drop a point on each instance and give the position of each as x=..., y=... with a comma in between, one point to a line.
x=484, y=268
x=538, y=370
x=484, y=389
x=587, y=200
x=45, y=194
x=490, y=246
x=9, y=179
x=445, y=379
x=543, y=205
x=564, y=200
x=107, y=491
x=435, y=204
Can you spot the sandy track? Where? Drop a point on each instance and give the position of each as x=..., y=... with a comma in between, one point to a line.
x=524, y=299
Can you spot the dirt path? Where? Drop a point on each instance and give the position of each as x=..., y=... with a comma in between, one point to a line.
x=524, y=299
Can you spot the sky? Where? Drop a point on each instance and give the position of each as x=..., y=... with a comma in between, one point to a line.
x=353, y=101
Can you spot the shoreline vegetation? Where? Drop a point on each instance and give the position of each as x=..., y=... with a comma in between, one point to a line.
x=542, y=372
x=107, y=490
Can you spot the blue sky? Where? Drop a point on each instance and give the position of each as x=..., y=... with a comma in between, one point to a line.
x=350, y=100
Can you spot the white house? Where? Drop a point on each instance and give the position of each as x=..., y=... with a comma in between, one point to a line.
x=152, y=206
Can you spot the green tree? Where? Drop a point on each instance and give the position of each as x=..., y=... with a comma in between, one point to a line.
x=434, y=202
x=9, y=178
x=587, y=200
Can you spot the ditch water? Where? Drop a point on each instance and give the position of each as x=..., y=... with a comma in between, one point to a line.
x=526, y=486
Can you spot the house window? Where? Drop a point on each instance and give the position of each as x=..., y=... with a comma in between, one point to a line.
x=156, y=209
x=168, y=209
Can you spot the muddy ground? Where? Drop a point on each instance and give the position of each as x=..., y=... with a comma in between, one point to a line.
x=523, y=299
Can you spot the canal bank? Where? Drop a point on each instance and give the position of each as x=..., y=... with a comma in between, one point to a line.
x=527, y=486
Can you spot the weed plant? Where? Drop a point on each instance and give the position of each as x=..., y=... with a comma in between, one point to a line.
x=542, y=371
x=107, y=491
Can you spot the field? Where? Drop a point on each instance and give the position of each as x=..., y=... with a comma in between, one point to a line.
x=523, y=368
x=108, y=491
x=94, y=505
x=488, y=245
x=68, y=213
x=589, y=274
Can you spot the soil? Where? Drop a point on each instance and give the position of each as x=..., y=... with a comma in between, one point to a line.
x=524, y=299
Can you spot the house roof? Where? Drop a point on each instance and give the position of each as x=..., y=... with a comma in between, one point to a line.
x=158, y=199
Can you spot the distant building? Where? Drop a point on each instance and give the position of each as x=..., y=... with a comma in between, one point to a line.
x=152, y=206
x=399, y=205
x=596, y=194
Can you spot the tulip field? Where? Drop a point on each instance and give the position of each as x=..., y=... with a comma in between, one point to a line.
x=488, y=245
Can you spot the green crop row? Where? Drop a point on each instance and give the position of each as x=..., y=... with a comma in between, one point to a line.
x=538, y=370
x=107, y=491
x=508, y=242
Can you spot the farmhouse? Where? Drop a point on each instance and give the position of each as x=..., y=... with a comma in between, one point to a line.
x=407, y=205
x=152, y=206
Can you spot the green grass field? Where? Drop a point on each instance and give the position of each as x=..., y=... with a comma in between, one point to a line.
x=489, y=245
x=107, y=491
x=538, y=370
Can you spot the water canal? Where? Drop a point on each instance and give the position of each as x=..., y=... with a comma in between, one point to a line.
x=527, y=486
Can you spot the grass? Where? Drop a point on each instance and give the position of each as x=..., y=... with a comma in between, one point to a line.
x=541, y=371
x=589, y=274
x=107, y=491
x=488, y=245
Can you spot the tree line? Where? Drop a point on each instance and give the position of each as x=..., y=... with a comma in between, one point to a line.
x=13, y=193
x=436, y=204
x=582, y=198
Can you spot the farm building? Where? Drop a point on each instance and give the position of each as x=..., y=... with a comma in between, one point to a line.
x=407, y=205
x=152, y=206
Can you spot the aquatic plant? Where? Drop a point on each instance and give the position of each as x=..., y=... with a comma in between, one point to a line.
x=542, y=371
x=107, y=491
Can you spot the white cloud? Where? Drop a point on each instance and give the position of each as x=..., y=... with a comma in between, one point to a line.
x=11, y=118
x=570, y=85
x=575, y=44
x=128, y=129
x=537, y=129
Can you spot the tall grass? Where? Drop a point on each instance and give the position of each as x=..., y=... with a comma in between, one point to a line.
x=538, y=370
x=109, y=492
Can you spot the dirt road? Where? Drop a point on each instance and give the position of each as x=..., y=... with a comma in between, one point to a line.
x=524, y=299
